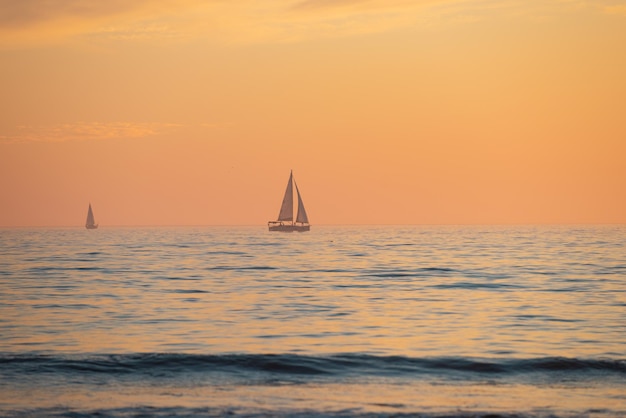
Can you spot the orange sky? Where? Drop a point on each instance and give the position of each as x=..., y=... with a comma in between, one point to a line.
x=163, y=112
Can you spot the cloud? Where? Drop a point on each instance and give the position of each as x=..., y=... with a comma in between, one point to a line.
x=618, y=9
x=40, y=22
x=612, y=7
x=32, y=12
x=299, y=20
x=145, y=32
x=326, y=4
x=85, y=131
x=43, y=22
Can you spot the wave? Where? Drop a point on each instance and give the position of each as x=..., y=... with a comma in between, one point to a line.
x=291, y=385
x=334, y=366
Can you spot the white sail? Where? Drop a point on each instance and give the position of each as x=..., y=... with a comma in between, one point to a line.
x=301, y=217
x=286, y=210
x=91, y=222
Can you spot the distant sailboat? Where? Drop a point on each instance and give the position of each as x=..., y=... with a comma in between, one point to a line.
x=91, y=223
x=285, y=222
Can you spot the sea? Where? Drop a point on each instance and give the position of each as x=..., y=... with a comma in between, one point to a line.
x=341, y=321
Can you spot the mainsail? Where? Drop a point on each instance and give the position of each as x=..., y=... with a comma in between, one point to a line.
x=286, y=209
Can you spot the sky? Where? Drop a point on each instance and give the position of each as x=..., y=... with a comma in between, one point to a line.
x=193, y=112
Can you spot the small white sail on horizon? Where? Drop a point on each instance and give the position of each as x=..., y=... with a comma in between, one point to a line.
x=285, y=222
x=91, y=222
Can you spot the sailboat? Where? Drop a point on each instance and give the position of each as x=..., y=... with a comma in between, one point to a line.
x=91, y=223
x=285, y=222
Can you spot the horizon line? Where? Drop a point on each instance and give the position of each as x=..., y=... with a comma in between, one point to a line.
x=321, y=225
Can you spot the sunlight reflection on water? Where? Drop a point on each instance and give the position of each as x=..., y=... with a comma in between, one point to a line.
x=418, y=291
x=452, y=294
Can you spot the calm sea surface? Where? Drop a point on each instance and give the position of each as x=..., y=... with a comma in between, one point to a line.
x=339, y=321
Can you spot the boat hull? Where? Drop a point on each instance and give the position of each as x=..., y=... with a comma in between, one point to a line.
x=91, y=226
x=288, y=227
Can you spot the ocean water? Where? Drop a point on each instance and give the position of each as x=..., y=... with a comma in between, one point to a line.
x=383, y=321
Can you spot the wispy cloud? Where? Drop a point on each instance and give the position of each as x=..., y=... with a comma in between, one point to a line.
x=85, y=131
x=617, y=9
x=36, y=22
x=43, y=21
x=321, y=4
x=29, y=13
x=298, y=20
x=138, y=32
